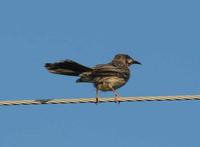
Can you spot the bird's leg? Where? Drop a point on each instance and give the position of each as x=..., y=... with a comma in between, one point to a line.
x=97, y=96
x=117, y=96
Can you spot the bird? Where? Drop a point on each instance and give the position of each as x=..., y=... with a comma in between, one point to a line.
x=104, y=77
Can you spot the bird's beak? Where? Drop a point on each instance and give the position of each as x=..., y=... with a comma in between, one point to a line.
x=136, y=62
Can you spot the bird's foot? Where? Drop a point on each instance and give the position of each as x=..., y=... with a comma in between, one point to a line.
x=117, y=99
x=97, y=101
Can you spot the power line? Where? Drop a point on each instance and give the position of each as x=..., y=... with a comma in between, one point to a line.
x=101, y=100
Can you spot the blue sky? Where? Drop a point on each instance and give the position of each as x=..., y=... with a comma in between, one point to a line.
x=163, y=35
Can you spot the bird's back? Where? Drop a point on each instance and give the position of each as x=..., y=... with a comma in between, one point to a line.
x=106, y=72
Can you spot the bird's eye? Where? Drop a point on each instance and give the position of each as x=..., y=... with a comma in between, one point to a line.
x=130, y=61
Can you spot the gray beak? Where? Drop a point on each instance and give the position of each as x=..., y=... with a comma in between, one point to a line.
x=136, y=62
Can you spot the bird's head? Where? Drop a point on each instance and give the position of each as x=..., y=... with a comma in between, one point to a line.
x=125, y=59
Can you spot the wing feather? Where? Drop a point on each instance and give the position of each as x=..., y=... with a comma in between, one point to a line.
x=110, y=70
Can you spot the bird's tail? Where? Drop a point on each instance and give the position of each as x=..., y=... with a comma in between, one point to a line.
x=67, y=67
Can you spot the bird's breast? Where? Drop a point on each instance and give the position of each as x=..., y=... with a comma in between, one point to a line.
x=106, y=83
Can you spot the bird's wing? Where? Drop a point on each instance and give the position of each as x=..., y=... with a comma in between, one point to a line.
x=110, y=70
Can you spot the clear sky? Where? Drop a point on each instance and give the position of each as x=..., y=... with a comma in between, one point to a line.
x=163, y=35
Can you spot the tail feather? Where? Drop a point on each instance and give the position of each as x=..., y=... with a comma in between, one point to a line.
x=67, y=67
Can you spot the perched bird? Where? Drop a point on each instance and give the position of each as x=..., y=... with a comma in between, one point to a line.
x=105, y=77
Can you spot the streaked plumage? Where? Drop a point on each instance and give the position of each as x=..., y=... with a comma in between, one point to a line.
x=105, y=77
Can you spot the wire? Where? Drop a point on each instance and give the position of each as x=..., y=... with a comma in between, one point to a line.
x=101, y=100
